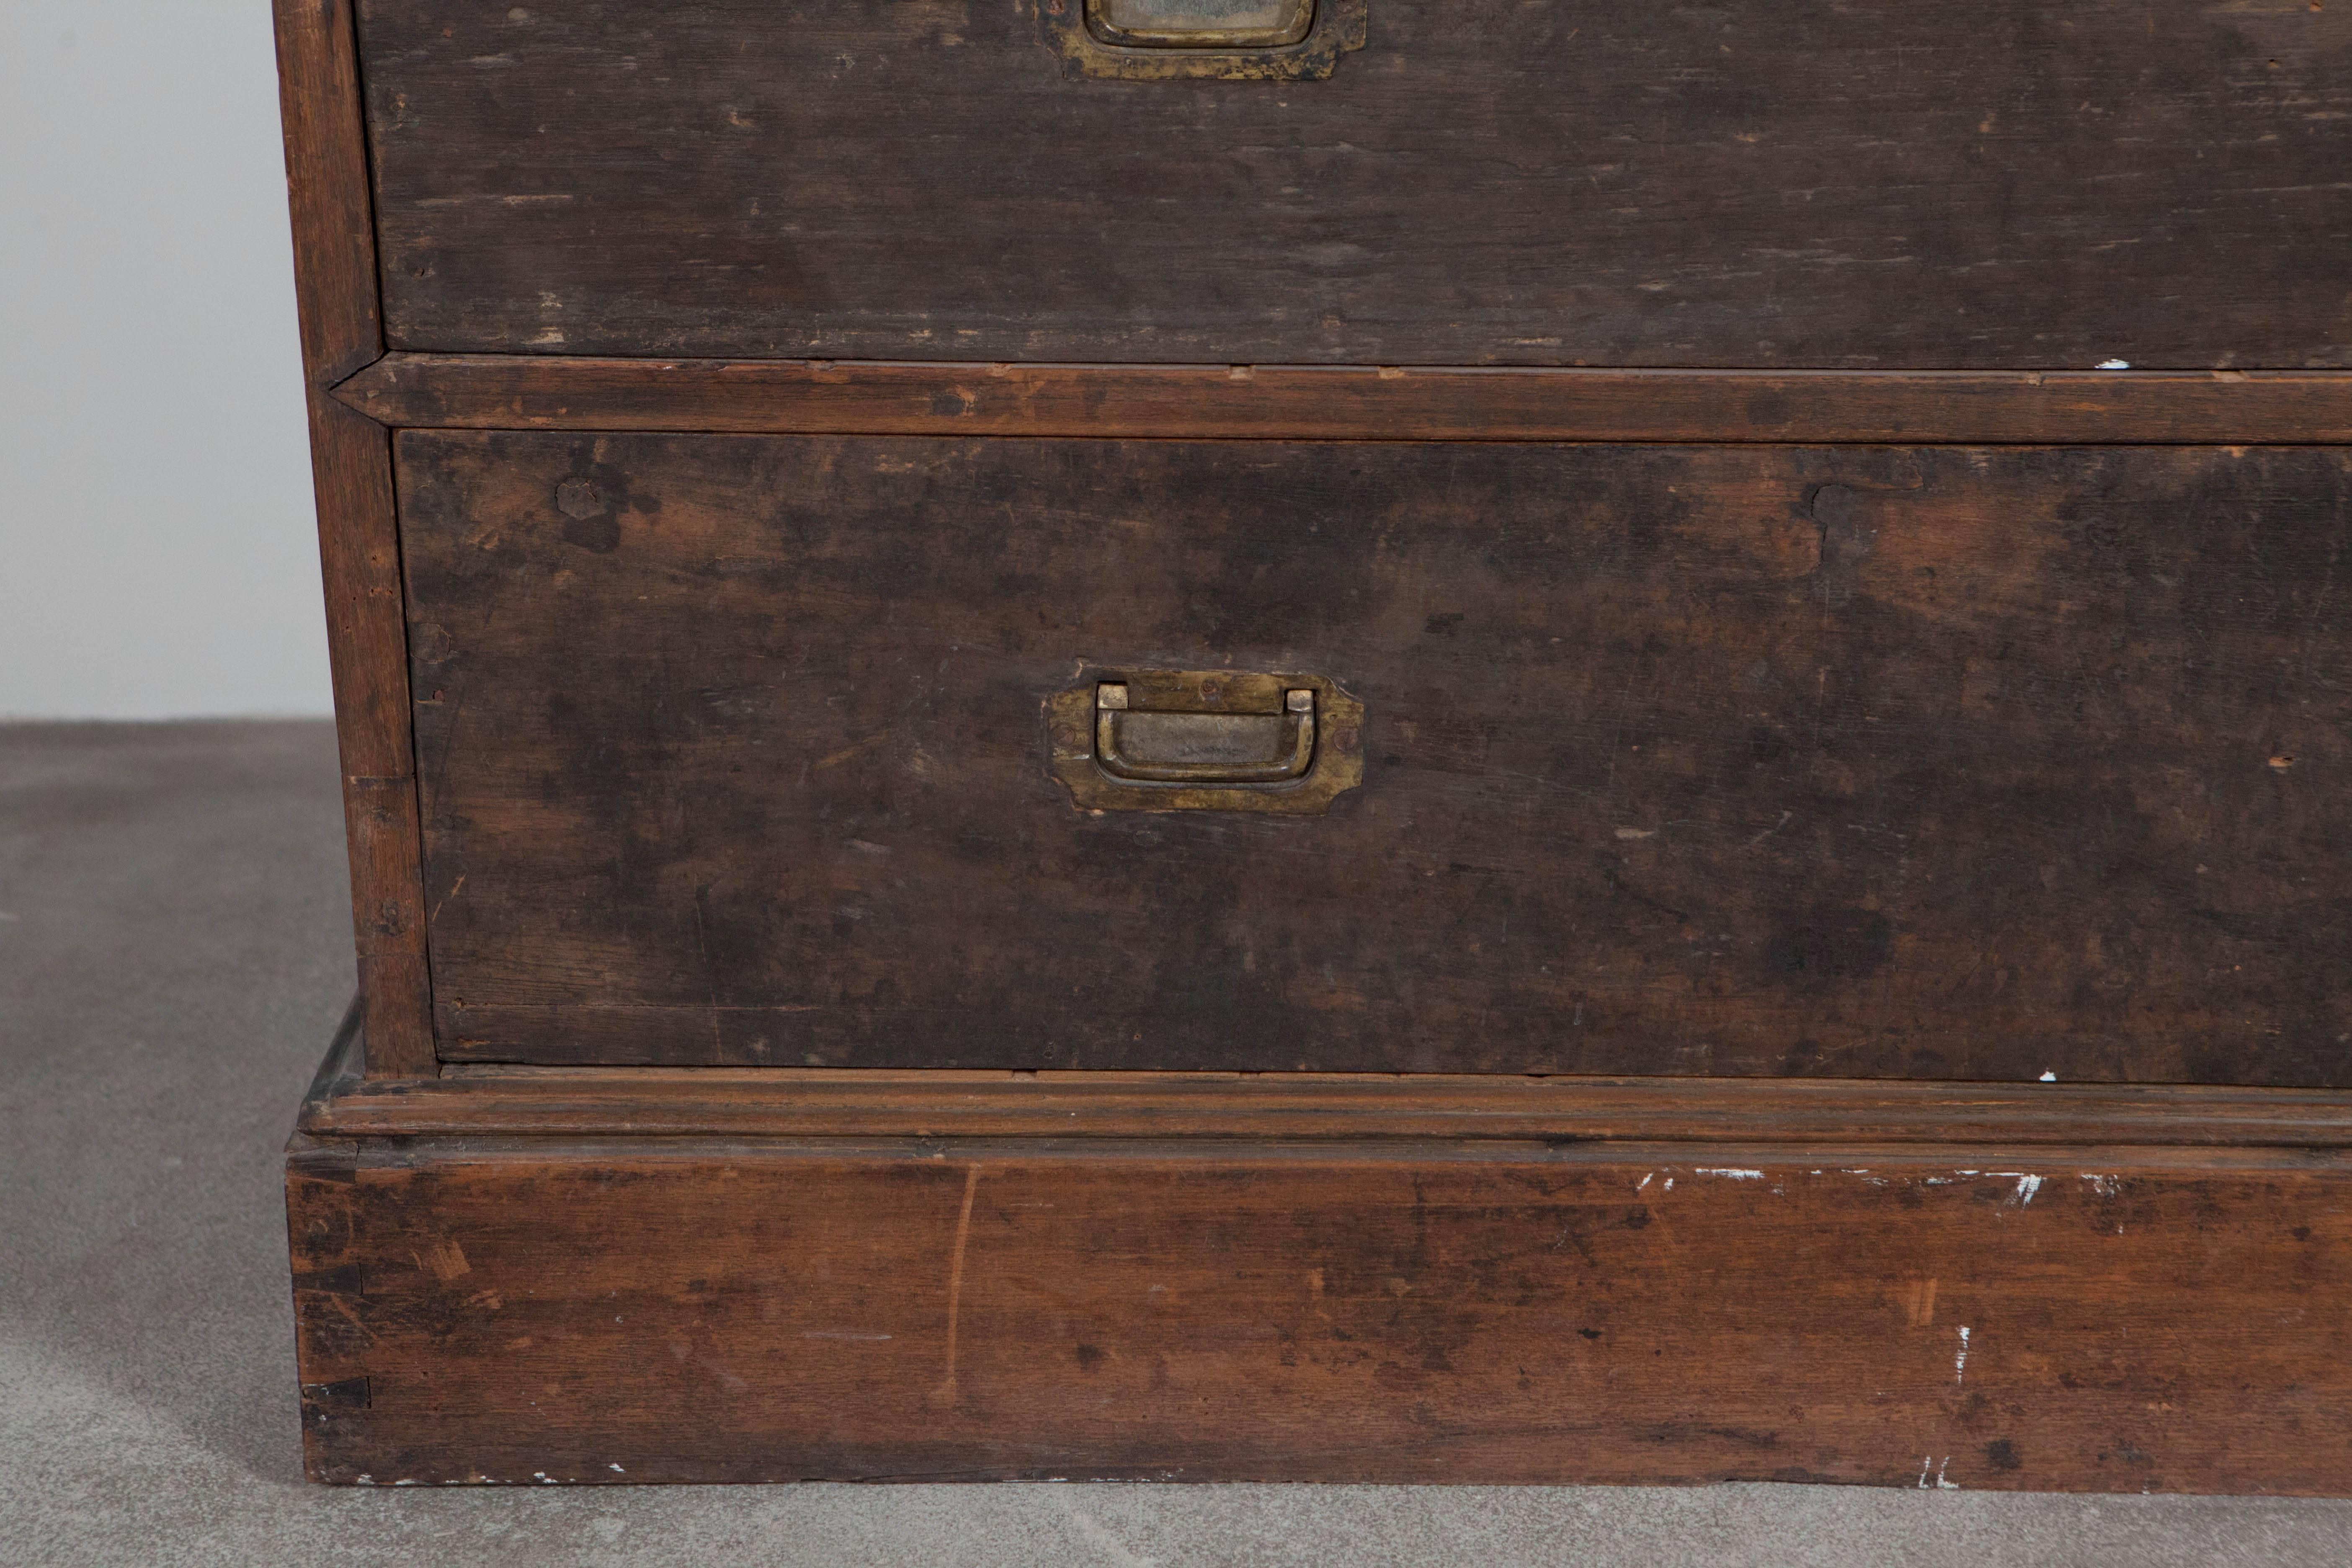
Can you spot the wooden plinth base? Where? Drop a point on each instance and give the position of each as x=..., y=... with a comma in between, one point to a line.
x=607, y=1307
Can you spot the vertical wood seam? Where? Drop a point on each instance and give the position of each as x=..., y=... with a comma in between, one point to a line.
x=338, y=290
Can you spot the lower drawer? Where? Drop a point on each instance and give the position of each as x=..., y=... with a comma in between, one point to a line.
x=1734, y=760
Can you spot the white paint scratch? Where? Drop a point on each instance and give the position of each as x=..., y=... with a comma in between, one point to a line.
x=2026, y=1187
x=2050, y=1078
x=1734, y=1175
x=1644, y=1181
x=2114, y=364
x=1960, y=1362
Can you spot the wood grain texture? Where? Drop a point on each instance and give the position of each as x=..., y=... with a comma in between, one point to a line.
x=478, y=1099
x=1860, y=761
x=546, y=392
x=1988, y=184
x=538, y=1312
x=359, y=546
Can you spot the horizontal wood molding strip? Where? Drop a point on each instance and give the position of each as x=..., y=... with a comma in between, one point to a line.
x=815, y=1103
x=1350, y=403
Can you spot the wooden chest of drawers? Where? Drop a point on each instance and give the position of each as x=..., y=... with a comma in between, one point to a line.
x=1333, y=739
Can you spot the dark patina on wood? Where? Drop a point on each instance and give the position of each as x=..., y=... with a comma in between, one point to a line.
x=1564, y=182
x=1865, y=762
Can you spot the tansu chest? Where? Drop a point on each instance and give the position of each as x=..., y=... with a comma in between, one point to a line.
x=1131, y=634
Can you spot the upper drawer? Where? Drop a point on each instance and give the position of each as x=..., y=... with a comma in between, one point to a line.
x=1982, y=184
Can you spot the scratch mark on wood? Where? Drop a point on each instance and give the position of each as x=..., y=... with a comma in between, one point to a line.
x=946, y=1393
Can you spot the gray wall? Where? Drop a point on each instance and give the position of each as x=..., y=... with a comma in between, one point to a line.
x=157, y=554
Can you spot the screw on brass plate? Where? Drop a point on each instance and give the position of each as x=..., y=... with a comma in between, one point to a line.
x=1111, y=695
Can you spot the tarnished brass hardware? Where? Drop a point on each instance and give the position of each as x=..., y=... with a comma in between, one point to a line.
x=1233, y=40
x=1200, y=24
x=1143, y=739
x=1203, y=748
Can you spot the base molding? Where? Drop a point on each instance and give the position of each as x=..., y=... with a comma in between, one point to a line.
x=564, y=1308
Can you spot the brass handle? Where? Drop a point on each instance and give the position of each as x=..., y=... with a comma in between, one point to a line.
x=1136, y=738
x=1203, y=748
x=1200, y=24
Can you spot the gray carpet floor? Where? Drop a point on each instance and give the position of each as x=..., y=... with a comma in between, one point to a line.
x=173, y=954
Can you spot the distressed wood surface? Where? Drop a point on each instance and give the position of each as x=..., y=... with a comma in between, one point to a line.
x=1862, y=761
x=548, y=391
x=535, y=1311
x=359, y=547
x=1995, y=184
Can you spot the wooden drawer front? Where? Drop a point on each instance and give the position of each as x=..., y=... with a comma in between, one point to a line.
x=1709, y=759
x=1980, y=184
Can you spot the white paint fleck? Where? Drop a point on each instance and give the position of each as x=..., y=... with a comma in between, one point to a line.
x=1631, y=832
x=1735, y=1175
x=2026, y=1187
x=1644, y=1181
x=2105, y=1186
x=2050, y=1078
x=617, y=1469
x=2114, y=364
x=1669, y=1186
x=1926, y=1463
x=1960, y=1362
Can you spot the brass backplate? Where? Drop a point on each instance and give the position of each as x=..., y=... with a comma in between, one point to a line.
x=1339, y=765
x=1339, y=25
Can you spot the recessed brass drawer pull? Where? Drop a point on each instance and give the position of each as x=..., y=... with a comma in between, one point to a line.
x=1158, y=740
x=1203, y=748
x=1200, y=24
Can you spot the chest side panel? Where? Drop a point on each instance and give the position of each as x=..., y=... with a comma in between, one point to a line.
x=1998, y=182
x=1866, y=761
